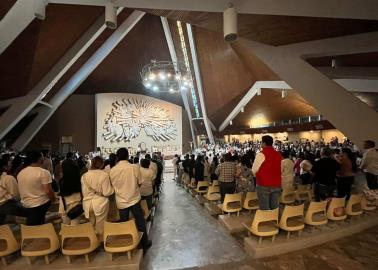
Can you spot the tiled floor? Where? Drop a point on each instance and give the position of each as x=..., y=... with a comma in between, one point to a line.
x=184, y=235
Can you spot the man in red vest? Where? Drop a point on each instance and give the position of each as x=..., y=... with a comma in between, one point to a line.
x=267, y=169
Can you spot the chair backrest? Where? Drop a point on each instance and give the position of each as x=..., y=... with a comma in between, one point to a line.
x=291, y=211
x=144, y=206
x=213, y=189
x=284, y=195
x=303, y=188
x=202, y=184
x=365, y=205
x=122, y=228
x=250, y=196
x=335, y=203
x=7, y=235
x=215, y=183
x=41, y=231
x=232, y=198
x=84, y=230
x=264, y=216
x=354, y=199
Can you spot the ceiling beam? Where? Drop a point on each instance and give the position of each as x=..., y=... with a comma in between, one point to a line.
x=15, y=21
x=352, y=85
x=346, y=9
x=26, y=103
x=197, y=74
x=75, y=81
x=346, y=72
x=172, y=52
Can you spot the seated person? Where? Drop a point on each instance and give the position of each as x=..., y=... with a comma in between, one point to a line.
x=9, y=195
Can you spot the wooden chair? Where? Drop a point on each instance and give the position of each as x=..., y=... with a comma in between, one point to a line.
x=316, y=214
x=78, y=240
x=292, y=219
x=287, y=196
x=8, y=243
x=213, y=194
x=334, y=204
x=215, y=183
x=303, y=193
x=146, y=211
x=365, y=205
x=202, y=187
x=232, y=204
x=265, y=223
x=40, y=240
x=354, y=202
x=121, y=237
x=251, y=202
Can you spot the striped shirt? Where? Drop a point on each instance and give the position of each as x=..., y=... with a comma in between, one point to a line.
x=226, y=171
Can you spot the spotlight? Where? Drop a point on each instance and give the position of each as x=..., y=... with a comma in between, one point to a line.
x=152, y=76
x=258, y=92
x=162, y=76
x=169, y=75
x=283, y=93
x=110, y=15
x=177, y=77
x=334, y=63
x=40, y=9
x=230, y=23
x=155, y=88
x=231, y=123
x=242, y=109
x=171, y=90
x=148, y=85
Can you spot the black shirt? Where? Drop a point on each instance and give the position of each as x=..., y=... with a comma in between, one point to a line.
x=325, y=171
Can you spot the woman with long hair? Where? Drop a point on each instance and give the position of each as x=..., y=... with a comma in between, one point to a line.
x=213, y=166
x=345, y=176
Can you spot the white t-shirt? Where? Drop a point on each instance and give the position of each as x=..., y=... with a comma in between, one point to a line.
x=30, y=186
x=8, y=188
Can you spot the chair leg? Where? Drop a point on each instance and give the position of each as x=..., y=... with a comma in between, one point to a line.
x=47, y=261
x=288, y=235
x=238, y=214
x=129, y=254
x=28, y=260
x=299, y=233
x=68, y=259
x=4, y=261
x=260, y=240
x=273, y=238
x=87, y=258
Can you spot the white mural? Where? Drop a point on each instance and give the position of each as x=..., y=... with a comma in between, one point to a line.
x=135, y=120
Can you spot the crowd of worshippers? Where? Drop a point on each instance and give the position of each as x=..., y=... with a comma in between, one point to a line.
x=86, y=189
x=281, y=166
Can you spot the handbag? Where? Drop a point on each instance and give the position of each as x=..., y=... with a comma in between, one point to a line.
x=75, y=211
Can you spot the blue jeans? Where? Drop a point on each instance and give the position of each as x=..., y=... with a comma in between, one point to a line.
x=268, y=197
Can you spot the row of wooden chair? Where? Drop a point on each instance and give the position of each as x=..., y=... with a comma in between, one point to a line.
x=267, y=223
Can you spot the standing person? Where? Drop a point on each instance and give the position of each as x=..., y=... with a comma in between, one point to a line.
x=245, y=182
x=110, y=162
x=34, y=185
x=345, y=176
x=305, y=169
x=147, y=187
x=287, y=168
x=48, y=165
x=174, y=164
x=96, y=188
x=325, y=170
x=267, y=169
x=226, y=172
x=70, y=171
x=185, y=164
x=9, y=195
x=206, y=169
x=369, y=164
x=199, y=169
x=213, y=166
x=125, y=178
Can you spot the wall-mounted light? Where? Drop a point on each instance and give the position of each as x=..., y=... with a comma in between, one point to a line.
x=230, y=23
x=231, y=123
x=40, y=9
x=258, y=92
x=283, y=93
x=110, y=15
x=242, y=109
x=334, y=63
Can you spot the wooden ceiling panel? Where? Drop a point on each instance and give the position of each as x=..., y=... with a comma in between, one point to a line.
x=270, y=107
x=224, y=76
x=35, y=51
x=275, y=30
x=5, y=6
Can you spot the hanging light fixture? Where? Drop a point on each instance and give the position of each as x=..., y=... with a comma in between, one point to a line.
x=165, y=76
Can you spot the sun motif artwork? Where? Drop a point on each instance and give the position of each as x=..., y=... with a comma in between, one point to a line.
x=129, y=116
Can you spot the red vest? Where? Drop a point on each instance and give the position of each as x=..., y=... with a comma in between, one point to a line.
x=269, y=174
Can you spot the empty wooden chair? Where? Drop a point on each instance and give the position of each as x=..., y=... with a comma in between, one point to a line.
x=264, y=223
x=78, y=240
x=251, y=202
x=121, y=237
x=287, y=196
x=316, y=214
x=146, y=211
x=40, y=240
x=8, y=243
x=365, y=205
x=337, y=204
x=292, y=219
x=213, y=194
x=232, y=203
x=353, y=207
x=303, y=193
x=202, y=187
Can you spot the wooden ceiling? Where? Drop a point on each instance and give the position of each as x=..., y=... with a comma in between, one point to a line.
x=275, y=30
x=5, y=6
x=35, y=51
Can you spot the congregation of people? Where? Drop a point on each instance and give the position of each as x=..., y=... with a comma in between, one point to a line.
x=269, y=167
x=94, y=190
